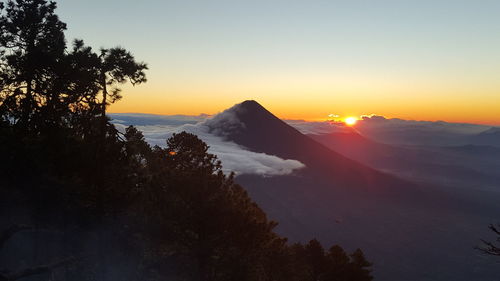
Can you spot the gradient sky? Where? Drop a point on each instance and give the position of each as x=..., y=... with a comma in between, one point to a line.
x=423, y=60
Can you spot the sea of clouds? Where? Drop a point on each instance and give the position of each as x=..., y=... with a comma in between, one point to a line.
x=235, y=158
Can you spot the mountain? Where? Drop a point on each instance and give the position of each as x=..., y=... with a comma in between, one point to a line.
x=410, y=231
x=489, y=137
x=454, y=166
x=410, y=132
x=261, y=131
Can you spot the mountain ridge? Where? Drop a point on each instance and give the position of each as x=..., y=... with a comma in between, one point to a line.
x=260, y=131
x=339, y=200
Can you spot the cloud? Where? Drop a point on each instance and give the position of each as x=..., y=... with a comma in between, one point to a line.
x=372, y=121
x=398, y=131
x=153, y=119
x=226, y=122
x=318, y=128
x=378, y=121
x=373, y=118
x=234, y=157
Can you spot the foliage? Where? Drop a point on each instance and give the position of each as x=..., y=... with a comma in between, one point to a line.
x=492, y=248
x=65, y=168
x=43, y=83
x=335, y=264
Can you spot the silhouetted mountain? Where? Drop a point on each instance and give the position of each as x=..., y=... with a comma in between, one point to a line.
x=396, y=131
x=343, y=201
x=437, y=165
x=261, y=131
x=489, y=137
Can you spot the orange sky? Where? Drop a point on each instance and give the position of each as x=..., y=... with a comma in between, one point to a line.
x=421, y=60
x=301, y=101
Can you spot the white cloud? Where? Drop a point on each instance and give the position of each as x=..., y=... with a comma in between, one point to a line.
x=234, y=157
x=153, y=119
x=225, y=122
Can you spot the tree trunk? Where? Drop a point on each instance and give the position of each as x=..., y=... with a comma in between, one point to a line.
x=29, y=101
x=103, y=106
x=104, y=96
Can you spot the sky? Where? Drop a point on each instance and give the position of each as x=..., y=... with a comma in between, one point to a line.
x=420, y=60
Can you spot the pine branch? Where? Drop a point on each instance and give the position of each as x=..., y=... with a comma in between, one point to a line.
x=495, y=229
x=489, y=247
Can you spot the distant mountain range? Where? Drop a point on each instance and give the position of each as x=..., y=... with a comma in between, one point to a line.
x=429, y=133
x=464, y=166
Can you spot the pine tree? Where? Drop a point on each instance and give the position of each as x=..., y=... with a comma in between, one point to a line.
x=361, y=267
x=32, y=44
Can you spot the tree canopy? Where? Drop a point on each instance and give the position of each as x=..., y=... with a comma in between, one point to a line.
x=86, y=201
x=42, y=80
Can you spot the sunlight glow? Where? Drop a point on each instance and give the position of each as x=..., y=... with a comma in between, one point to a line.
x=350, y=121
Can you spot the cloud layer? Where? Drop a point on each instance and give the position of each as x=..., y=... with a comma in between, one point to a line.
x=234, y=157
x=318, y=128
x=399, y=131
x=238, y=159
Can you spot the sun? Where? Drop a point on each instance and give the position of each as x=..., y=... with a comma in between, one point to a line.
x=350, y=121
